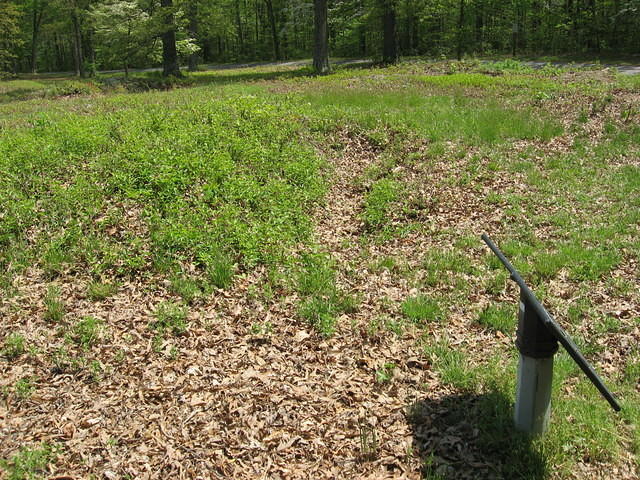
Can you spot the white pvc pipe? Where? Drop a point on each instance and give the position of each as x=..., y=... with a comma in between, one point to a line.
x=533, y=394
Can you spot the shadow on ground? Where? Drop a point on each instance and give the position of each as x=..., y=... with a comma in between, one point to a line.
x=471, y=436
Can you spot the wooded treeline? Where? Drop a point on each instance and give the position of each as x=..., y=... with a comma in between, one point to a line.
x=86, y=35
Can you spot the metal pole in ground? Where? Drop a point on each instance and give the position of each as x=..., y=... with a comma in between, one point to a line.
x=537, y=340
x=535, y=371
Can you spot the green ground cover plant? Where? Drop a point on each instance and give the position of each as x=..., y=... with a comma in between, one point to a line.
x=170, y=318
x=98, y=291
x=14, y=346
x=29, y=463
x=86, y=332
x=219, y=184
x=422, y=309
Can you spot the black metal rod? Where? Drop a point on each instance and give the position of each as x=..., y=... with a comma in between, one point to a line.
x=554, y=327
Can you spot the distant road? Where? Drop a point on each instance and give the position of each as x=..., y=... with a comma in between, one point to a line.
x=233, y=66
x=623, y=69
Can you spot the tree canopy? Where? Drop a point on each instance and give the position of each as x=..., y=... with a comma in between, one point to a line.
x=84, y=35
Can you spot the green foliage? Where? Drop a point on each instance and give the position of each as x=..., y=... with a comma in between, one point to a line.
x=11, y=35
x=170, y=318
x=65, y=363
x=54, y=306
x=96, y=371
x=123, y=31
x=180, y=186
x=509, y=65
x=262, y=328
x=219, y=270
x=25, y=387
x=14, y=346
x=498, y=318
x=452, y=365
x=97, y=291
x=583, y=263
x=71, y=88
x=377, y=202
x=30, y=463
x=632, y=370
x=440, y=265
x=223, y=184
x=496, y=282
x=385, y=373
x=320, y=313
x=86, y=332
x=321, y=299
x=384, y=263
x=45, y=88
x=435, y=117
x=422, y=309
x=316, y=275
x=187, y=288
x=492, y=82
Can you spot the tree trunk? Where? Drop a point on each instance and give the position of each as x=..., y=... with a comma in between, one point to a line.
x=615, y=41
x=38, y=12
x=362, y=30
x=479, y=27
x=91, y=54
x=169, y=52
x=239, y=29
x=77, y=45
x=256, y=43
x=274, y=29
x=320, y=37
x=459, y=48
x=389, y=40
x=284, y=40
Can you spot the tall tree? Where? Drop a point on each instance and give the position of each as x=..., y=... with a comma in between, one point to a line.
x=320, y=37
x=37, y=9
x=274, y=29
x=10, y=38
x=192, y=14
x=460, y=30
x=77, y=16
x=389, y=34
x=122, y=32
x=170, y=64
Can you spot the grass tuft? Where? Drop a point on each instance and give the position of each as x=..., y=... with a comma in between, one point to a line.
x=422, y=309
x=170, y=318
x=378, y=201
x=498, y=319
x=54, y=306
x=86, y=332
x=14, y=346
x=186, y=288
x=97, y=291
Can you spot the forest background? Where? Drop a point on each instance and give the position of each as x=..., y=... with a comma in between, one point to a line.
x=90, y=35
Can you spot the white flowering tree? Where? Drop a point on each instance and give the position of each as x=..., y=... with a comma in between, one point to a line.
x=124, y=33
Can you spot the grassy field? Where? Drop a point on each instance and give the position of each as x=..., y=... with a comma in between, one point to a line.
x=259, y=272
